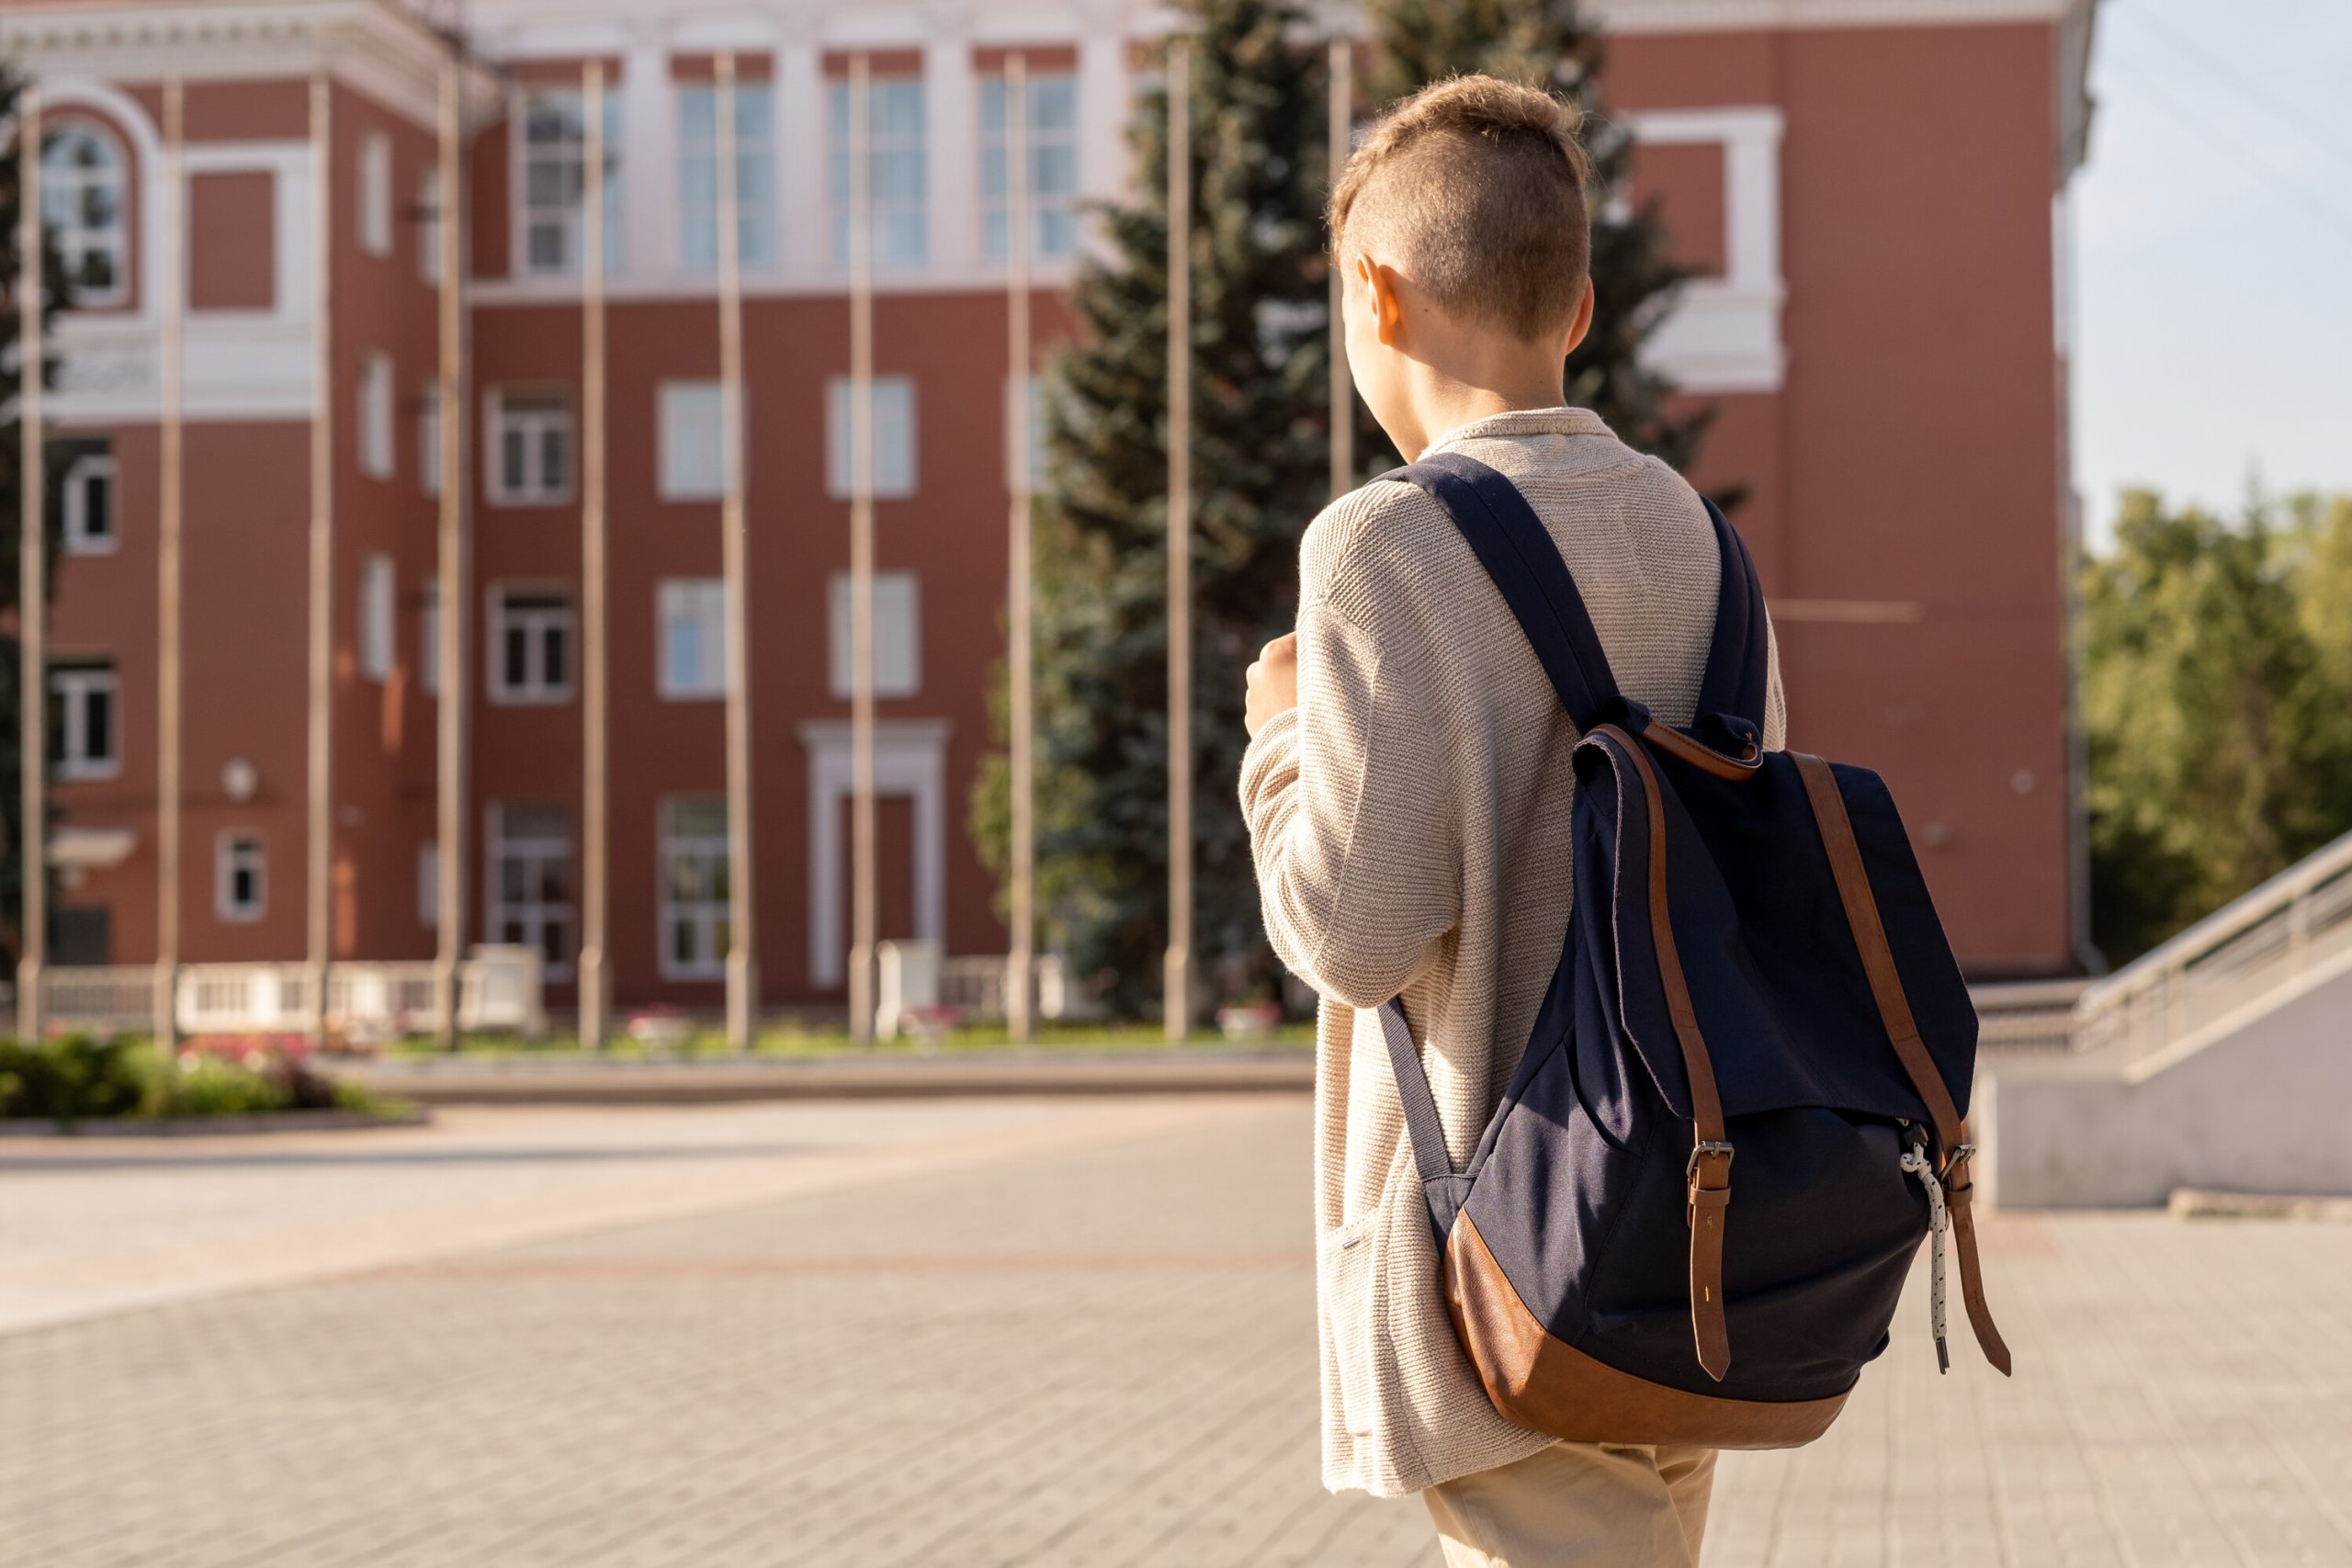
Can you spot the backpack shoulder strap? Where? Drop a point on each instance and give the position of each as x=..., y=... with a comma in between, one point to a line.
x=1518, y=552
x=1739, y=658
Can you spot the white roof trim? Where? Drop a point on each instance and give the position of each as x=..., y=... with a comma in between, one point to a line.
x=1745, y=15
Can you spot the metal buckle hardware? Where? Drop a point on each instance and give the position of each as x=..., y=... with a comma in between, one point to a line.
x=1691, y=1165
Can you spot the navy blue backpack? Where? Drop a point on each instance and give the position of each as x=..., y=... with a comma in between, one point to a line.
x=1755, y=996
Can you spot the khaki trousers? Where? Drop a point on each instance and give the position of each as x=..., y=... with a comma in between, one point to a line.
x=1585, y=1505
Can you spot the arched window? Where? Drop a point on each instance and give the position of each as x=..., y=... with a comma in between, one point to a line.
x=81, y=201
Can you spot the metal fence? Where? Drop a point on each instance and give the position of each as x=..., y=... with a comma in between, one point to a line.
x=2291, y=925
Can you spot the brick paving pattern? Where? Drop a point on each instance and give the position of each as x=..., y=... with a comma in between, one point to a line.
x=1012, y=1333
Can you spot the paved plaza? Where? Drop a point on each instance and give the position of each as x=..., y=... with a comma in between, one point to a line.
x=1073, y=1331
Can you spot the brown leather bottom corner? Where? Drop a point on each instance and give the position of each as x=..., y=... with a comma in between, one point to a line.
x=1544, y=1384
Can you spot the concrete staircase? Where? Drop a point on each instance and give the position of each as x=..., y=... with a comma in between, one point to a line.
x=2222, y=1060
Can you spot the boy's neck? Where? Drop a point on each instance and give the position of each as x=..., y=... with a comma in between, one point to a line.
x=1444, y=403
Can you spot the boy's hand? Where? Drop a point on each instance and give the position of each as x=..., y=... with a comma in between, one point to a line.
x=1274, y=683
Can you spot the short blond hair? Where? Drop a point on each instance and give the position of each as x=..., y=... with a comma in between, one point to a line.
x=1473, y=188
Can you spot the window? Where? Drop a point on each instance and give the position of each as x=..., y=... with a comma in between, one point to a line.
x=698, y=176
x=89, y=502
x=693, y=441
x=554, y=153
x=529, y=448
x=896, y=641
x=376, y=195
x=428, y=439
x=1053, y=167
x=81, y=204
x=530, y=646
x=894, y=128
x=376, y=416
x=894, y=437
x=694, y=637
x=377, y=641
x=429, y=640
x=428, y=224
x=89, y=713
x=529, y=889
x=240, y=881
x=694, y=888
x=1034, y=396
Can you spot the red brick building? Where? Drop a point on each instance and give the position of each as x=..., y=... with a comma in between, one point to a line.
x=1872, y=190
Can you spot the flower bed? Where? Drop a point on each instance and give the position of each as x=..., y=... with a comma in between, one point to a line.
x=80, y=1079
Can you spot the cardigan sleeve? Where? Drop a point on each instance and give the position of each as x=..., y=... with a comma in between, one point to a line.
x=1354, y=823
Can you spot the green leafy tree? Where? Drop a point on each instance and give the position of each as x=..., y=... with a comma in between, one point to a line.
x=1549, y=44
x=2218, y=702
x=12, y=762
x=1259, y=467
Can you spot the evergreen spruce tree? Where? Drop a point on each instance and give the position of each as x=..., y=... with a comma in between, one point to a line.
x=1259, y=473
x=12, y=860
x=1549, y=44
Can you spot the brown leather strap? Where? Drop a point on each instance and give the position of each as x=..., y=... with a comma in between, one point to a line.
x=1869, y=937
x=1959, y=1193
x=1902, y=1032
x=1707, y=1325
x=1674, y=743
x=1710, y=1164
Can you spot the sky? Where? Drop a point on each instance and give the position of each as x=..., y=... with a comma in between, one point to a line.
x=2212, y=253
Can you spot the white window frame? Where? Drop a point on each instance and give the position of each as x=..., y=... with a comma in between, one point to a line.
x=901, y=158
x=898, y=635
x=63, y=184
x=226, y=851
x=428, y=225
x=559, y=211
x=693, y=463
x=71, y=686
x=88, y=469
x=897, y=438
x=535, y=427
x=378, y=605
x=377, y=458
x=535, y=690
x=701, y=601
x=534, y=913
x=1053, y=212
x=428, y=439
x=376, y=194
x=755, y=227
x=708, y=915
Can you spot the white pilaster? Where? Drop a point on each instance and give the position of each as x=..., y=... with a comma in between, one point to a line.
x=649, y=150
x=804, y=205
x=951, y=146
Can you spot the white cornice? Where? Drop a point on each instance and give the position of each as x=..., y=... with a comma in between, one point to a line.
x=372, y=45
x=1749, y=15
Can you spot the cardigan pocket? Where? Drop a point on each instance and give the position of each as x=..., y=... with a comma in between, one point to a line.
x=1348, y=1281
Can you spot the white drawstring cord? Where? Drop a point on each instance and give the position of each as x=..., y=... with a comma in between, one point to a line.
x=1915, y=1160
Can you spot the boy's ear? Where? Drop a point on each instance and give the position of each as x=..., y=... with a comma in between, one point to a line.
x=1379, y=281
x=1583, y=321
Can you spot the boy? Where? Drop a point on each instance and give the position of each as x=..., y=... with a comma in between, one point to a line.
x=1406, y=787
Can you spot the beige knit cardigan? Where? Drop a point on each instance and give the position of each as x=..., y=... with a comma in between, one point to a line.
x=1409, y=822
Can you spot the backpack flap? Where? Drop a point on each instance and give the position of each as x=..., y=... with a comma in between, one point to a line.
x=1769, y=961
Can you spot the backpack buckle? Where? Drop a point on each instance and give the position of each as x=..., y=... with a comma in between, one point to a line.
x=1690, y=1166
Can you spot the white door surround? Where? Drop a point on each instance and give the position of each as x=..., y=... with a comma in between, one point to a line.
x=910, y=759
